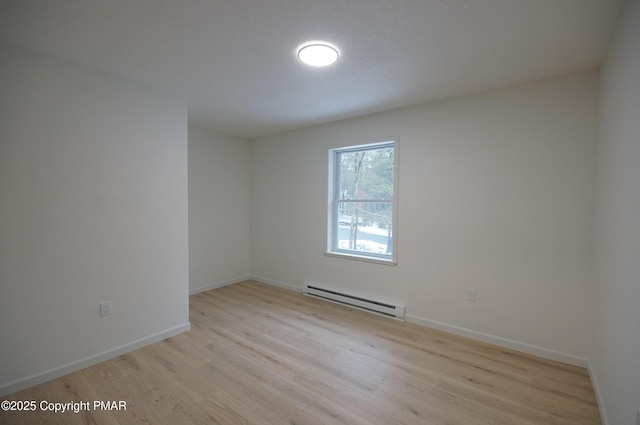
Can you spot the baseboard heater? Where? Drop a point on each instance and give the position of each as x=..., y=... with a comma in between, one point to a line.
x=372, y=306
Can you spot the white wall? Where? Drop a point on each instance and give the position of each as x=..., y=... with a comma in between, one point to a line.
x=219, y=209
x=496, y=193
x=93, y=207
x=615, y=352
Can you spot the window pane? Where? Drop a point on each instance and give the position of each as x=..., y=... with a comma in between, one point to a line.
x=366, y=174
x=365, y=227
x=361, y=214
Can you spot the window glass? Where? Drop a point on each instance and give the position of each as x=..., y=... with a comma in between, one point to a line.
x=361, y=210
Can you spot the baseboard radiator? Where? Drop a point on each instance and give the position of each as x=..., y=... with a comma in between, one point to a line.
x=372, y=306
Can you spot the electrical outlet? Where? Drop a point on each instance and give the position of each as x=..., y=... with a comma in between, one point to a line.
x=638, y=416
x=105, y=308
x=471, y=294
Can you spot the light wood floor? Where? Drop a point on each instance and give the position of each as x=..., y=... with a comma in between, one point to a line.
x=262, y=355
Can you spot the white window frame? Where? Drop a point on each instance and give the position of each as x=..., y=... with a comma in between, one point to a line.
x=332, y=210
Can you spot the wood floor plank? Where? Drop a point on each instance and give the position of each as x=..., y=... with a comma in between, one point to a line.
x=257, y=355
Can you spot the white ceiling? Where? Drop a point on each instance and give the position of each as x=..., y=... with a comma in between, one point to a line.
x=235, y=60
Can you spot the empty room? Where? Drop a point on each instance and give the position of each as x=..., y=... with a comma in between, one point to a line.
x=320, y=212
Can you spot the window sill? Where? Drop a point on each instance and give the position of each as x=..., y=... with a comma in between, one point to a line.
x=384, y=261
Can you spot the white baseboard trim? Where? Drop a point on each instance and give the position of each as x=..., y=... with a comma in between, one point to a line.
x=56, y=372
x=596, y=389
x=499, y=341
x=276, y=283
x=219, y=284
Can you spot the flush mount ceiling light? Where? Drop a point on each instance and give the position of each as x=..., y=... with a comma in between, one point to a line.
x=318, y=54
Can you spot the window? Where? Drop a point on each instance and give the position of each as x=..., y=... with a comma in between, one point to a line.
x=362, y=202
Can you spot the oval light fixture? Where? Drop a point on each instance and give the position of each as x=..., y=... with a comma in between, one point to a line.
x=318, y=54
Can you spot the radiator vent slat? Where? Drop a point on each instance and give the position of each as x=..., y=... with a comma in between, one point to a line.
x=373, y=306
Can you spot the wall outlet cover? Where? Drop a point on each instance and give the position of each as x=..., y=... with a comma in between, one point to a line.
x=471, y=294
x=105, y=308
